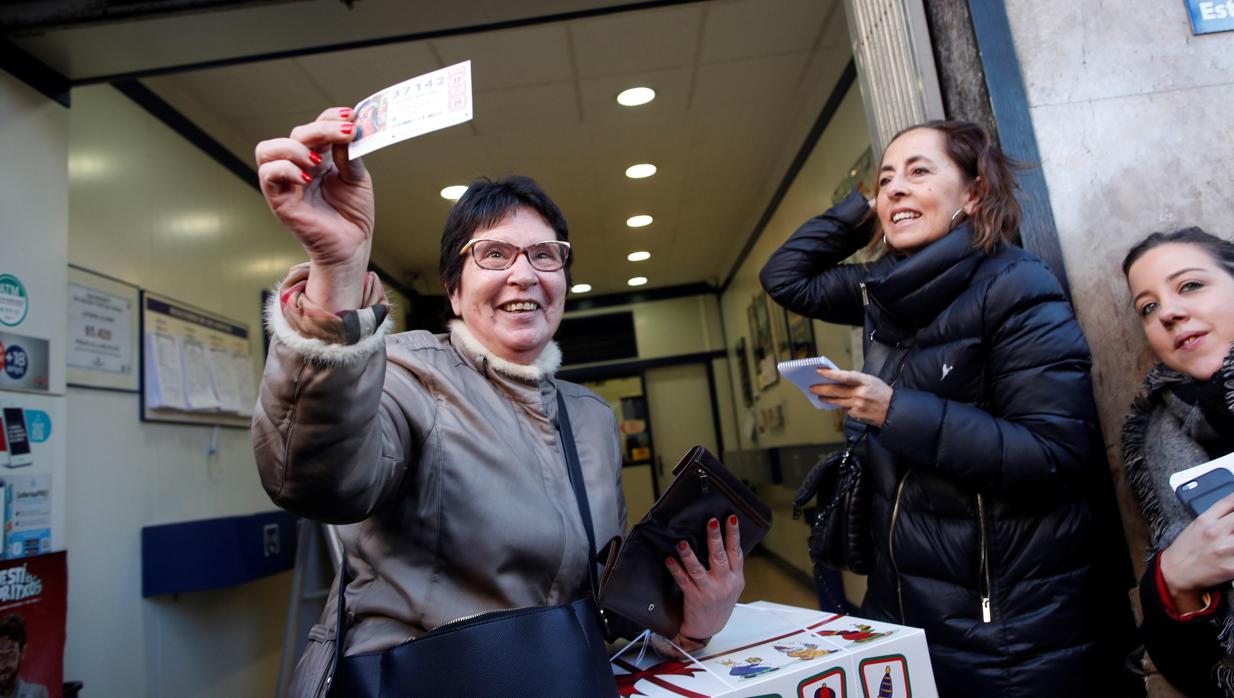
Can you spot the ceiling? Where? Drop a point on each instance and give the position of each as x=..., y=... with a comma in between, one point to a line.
x=739, y=84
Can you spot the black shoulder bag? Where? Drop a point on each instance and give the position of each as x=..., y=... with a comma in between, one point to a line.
x=533, y=651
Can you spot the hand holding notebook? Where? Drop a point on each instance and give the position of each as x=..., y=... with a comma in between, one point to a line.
x=803, y=373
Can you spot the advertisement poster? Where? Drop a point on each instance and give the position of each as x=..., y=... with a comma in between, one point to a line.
x=23, y=363
x=33, y=594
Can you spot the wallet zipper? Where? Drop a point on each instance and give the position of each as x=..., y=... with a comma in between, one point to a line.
x=732, y=496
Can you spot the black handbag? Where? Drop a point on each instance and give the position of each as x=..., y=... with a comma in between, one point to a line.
x=535, y=651
x=637, y=586
x=840, y=532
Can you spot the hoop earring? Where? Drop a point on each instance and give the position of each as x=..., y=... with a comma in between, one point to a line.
x=885, y=243
x=958, y=211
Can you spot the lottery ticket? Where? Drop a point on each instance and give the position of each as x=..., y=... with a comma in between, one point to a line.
x=413, y=108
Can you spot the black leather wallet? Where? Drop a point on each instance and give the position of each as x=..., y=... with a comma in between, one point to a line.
x=635, y=583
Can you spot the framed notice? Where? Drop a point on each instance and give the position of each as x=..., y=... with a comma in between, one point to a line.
x=197, y=367
x=102, y=340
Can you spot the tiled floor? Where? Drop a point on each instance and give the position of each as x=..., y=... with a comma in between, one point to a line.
x=767, y=581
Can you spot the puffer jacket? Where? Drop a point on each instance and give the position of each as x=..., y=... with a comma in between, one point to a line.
x=443, y=466
x=983, y=473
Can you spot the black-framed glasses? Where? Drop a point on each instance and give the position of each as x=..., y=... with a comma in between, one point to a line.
x=550, y=255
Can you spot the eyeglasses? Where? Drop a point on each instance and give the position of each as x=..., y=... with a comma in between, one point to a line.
x=550, y=255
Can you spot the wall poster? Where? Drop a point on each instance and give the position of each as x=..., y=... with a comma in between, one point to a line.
x=763, y=344
x=102, y=341
x=197, y=367
x=33, y=606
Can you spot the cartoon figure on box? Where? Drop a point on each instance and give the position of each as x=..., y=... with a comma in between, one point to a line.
x=825, y=692
x=885, y=689
x=861, y=633
x=805, y=651
x=751, y=667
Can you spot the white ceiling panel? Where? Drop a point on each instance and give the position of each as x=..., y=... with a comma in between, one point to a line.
x=534, y=106
x=641, y=42
x=768, y=80
x=750, y=28
x=511, y=58
x=599, y=95
x=347, y=77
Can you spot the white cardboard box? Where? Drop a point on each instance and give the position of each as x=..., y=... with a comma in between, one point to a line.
x=771, y=650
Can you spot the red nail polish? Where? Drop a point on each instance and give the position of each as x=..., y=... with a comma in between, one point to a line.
x=346, y=128
x=669, y=561
x=345, y=112
x=306, y=177
x=315, y=158
x=713, y=524
x=732, y=520
x=683, y=546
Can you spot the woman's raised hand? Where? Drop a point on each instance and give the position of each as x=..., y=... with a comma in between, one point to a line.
x=1201, y=557
x=326, y=201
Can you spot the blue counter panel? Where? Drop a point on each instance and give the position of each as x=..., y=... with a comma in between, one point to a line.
x=215, y=553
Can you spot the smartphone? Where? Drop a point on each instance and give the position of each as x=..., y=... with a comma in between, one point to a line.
x=18, y=438
x=1203, y=491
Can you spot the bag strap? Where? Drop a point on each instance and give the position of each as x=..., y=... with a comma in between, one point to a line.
x=576, y=483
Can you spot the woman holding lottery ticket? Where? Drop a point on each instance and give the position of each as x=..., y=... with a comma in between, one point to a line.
x=1182, y=288
x=447, y=461
x=982, y=439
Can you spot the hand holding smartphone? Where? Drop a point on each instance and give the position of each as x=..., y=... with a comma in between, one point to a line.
x=1203, y=485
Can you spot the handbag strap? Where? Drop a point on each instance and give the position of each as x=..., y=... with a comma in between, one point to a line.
x=576, y=483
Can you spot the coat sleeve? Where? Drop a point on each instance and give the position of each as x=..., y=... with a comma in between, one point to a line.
x=331, y=441
x=805, y=274
x=1184, y=651
x=1037, y=423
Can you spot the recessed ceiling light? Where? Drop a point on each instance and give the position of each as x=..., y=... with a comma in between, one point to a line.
x=640, y=171
x=454, y=192
x=637, y=281
x=636, y=96
x=638, y=256
x=639, y=221
x=580, y=288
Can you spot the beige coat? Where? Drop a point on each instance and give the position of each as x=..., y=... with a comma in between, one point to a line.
x=444, y=467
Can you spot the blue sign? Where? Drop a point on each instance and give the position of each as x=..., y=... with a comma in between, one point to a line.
x=16, y=363
x=1208, y=16
x=38, y=425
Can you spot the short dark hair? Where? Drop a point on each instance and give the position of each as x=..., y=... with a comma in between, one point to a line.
x=1222, y=251
x=485, y=205
x=997, y=213
x=13, y=626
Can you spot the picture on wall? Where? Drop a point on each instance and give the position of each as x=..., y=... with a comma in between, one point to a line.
x=743, y=372
x=762, y=342
x=860, y=177
x=800, y=336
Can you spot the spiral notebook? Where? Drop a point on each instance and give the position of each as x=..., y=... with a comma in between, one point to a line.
x=803, y=373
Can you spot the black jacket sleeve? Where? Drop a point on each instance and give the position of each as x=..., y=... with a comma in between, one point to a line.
x=1184, y=651
x=805, y=274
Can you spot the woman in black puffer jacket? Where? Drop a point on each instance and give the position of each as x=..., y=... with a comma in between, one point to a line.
x=981, y=452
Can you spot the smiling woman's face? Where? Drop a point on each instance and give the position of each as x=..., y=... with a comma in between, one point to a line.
x=513, y=312
x=920, y=190
x=1185, y=301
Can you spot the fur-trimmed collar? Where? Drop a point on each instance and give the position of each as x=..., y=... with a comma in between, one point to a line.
x=544, y=365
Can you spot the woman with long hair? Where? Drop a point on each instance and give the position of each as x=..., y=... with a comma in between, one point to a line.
x=1182, y=288
x=981, y=427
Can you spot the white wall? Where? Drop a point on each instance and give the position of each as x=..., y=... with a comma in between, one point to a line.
x=147, y=207
x=840, y=145
x=1132, y=118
